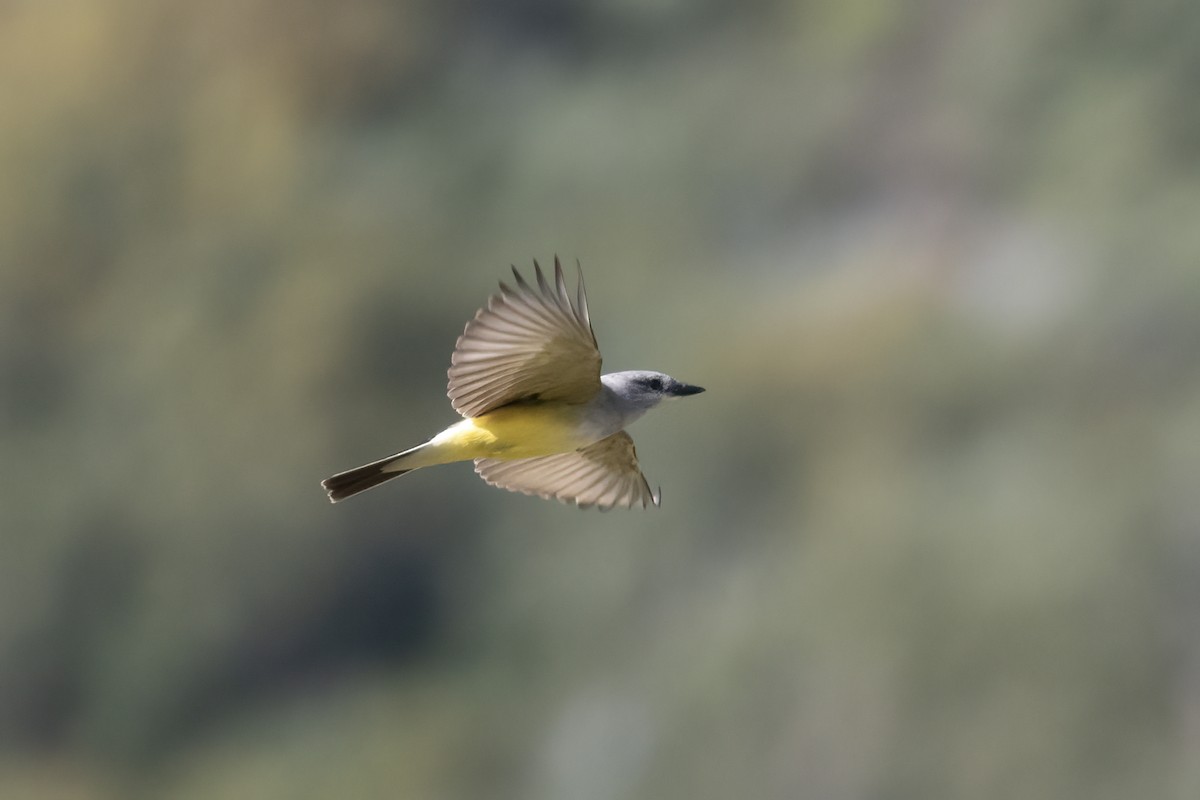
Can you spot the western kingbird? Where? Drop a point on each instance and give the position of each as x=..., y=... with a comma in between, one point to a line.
x=539, y=417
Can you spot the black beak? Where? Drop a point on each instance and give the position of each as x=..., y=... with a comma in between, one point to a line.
x=684, y=389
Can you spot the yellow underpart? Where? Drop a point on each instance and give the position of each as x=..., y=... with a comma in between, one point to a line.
x=516, y=431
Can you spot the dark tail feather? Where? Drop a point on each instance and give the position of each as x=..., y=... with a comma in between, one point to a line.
x=351, y=482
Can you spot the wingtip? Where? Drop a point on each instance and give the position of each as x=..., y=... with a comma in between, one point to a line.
x=516, y=276
x=543, y=285
x=522, y=284
x=560, y=287
x=581, y=300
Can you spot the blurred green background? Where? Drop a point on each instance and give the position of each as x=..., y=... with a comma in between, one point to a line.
x=933, y=532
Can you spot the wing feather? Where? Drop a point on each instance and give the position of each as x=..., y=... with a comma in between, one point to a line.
x=528, y=341
x=604, y=474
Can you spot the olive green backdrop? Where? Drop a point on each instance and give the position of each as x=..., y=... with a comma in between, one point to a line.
x=932, y=532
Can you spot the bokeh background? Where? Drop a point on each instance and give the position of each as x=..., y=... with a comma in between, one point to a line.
x=933, y=532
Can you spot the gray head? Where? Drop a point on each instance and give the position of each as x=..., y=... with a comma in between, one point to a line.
x=641, y=390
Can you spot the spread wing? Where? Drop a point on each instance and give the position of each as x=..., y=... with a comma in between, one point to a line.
x=528, y=342
x=604, y=474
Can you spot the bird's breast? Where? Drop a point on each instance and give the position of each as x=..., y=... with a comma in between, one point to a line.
x=527, y=430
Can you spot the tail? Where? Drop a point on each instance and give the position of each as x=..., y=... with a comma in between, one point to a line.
x=352, y=481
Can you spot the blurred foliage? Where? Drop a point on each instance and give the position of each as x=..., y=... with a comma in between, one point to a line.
x=932, y=532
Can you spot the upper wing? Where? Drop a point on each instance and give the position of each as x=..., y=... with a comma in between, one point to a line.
x=526, y=343
x=604, y=474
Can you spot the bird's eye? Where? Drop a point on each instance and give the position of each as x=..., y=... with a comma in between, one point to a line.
x=655, y=384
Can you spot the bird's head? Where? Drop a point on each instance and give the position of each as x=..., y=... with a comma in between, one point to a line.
x=643, y=389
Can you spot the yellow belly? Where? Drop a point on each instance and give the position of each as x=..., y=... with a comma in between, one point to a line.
x=516, y=431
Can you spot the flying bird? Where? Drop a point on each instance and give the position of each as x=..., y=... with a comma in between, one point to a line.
x=538, y=417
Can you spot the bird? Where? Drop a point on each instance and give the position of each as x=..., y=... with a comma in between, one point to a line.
x=538, y=417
